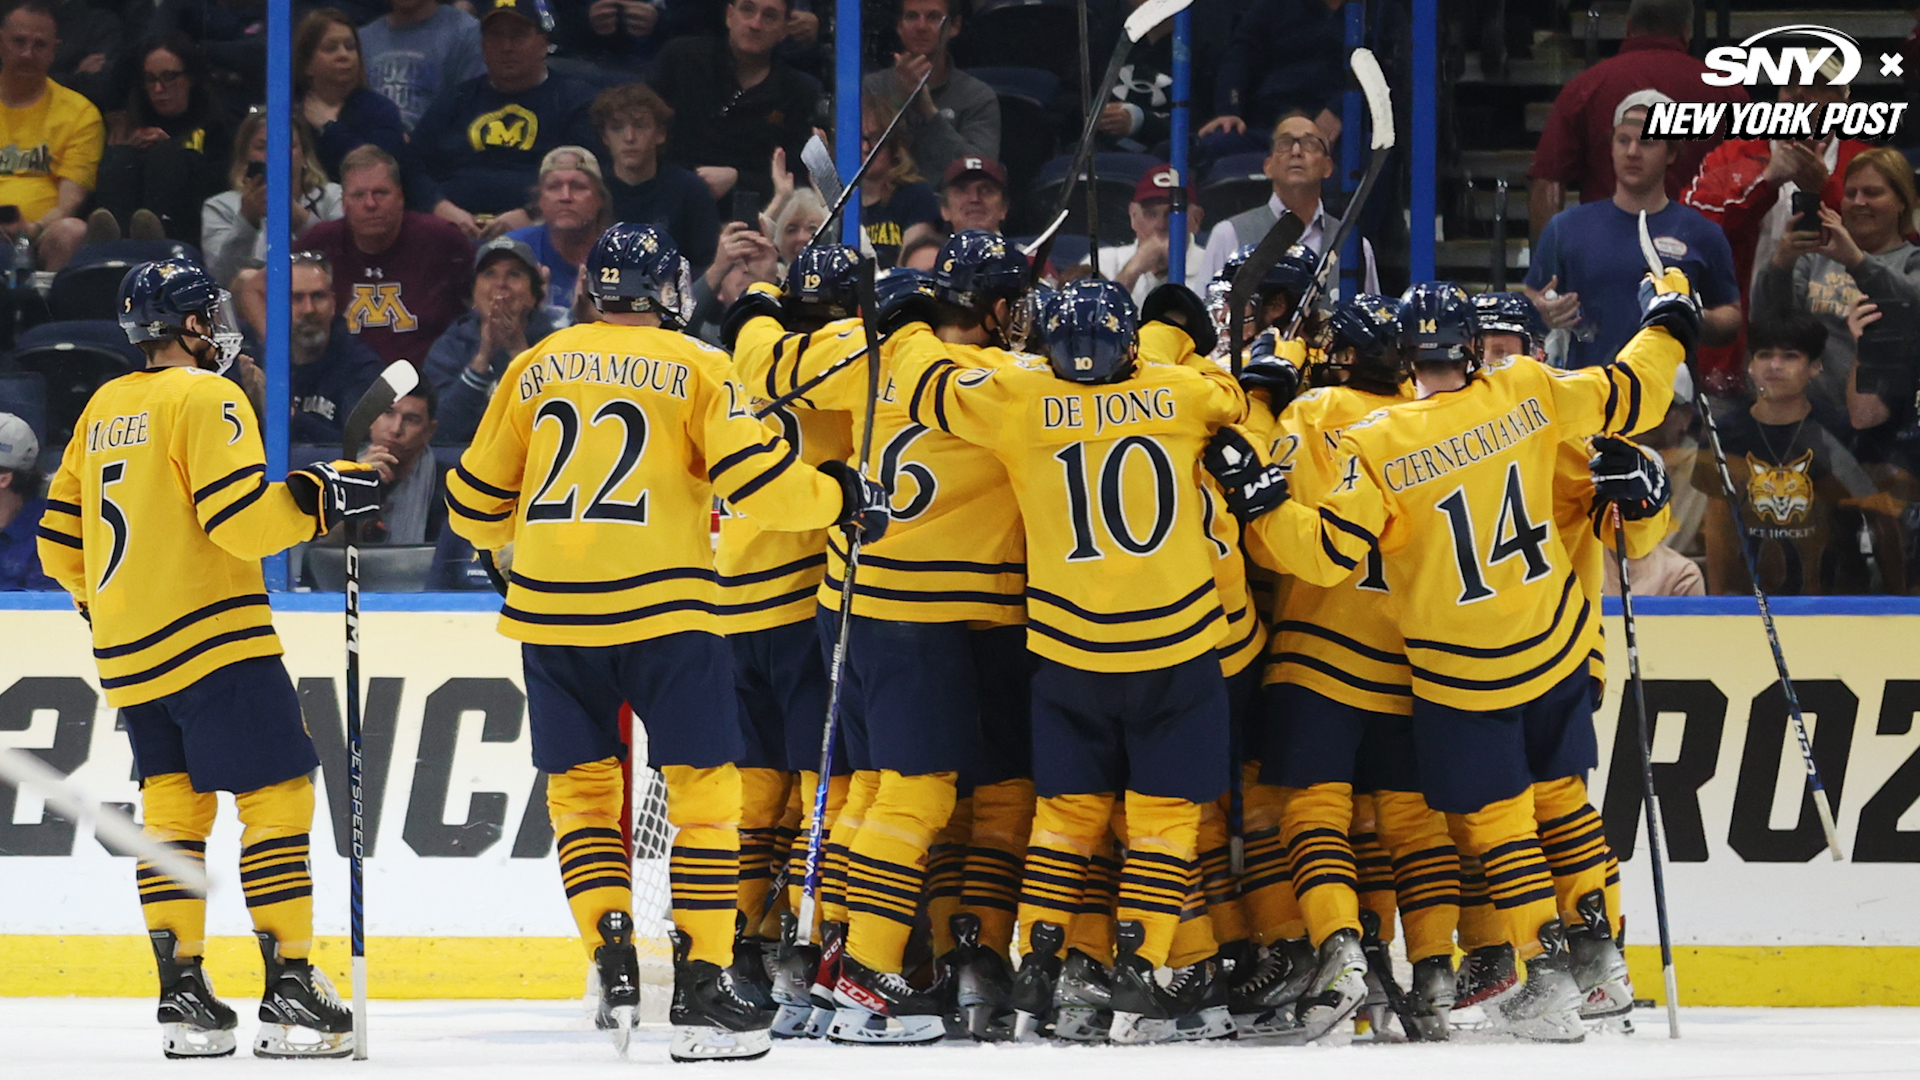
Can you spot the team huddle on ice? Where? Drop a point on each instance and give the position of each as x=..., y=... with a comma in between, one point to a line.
x=1170, y=677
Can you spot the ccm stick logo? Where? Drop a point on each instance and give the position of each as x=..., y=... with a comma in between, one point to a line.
x=1819, y=56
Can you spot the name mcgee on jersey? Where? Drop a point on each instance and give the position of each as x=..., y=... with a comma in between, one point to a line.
x=634, y=372
x=119, y=431
x=1458, y=451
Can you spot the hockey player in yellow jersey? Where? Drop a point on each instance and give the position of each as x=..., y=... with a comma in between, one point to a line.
x=598, y=461
x=1455, y=491
x=156, y=523
x=1123, y=613
x=933, y=650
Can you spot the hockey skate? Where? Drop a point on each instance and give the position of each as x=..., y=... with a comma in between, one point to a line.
x=1262, y=998
x=1032, y=992
x=883, y=1008
x=1338, y=987
x=1546, y=1008
x=300, y=1015
x=1430, y=999
x=193, y=1023
x=983, y=982
x=1487, y=976
x=615, y=979
x=1598, y=968
x=1083, y=1000
x=826, y=976
x=793, y=967
x=711, y=1020
x=1166, y=1004
x=1382, y=991
x=749, y=967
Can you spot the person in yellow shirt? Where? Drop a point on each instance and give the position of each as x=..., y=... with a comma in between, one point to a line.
x=51, y=138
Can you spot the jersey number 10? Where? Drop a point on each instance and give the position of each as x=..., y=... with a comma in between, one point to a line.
x=1112, y=497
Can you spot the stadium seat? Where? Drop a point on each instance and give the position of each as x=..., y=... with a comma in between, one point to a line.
x=24, y=394
x=89, y=288
x=1116, y=175
x=1234, y=185
x=383, y=568
x=1021, y=33
x=1026, y=130
x=74, y=359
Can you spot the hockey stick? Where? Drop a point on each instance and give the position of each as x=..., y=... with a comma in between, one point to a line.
x=1820, y=803
x=816, y=835
x=853, y=182
x=396, y=382
x=25, y=771
x=820, y=167
x=1092, y=106
x=1656, y=830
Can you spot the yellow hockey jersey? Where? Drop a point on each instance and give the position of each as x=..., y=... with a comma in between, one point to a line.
x=768, y=577
x=1341, y=641
x=156, y=523
x=1587, y=532
x=1120, y=573
x=1456, y=491
x=598, y=458
x=954, y=550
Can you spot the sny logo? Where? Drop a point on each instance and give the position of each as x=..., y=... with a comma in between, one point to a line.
x=1820, y=57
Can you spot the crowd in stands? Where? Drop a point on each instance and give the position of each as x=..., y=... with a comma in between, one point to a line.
x=455, y=161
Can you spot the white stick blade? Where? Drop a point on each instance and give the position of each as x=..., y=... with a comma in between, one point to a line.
x=1152, y=14
x=1648, y=251
x=27, y=772
x=1373, y=85
x=1045, y=235
x=819, y=163
x=402, y=376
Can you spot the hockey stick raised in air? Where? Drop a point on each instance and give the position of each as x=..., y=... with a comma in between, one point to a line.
x=396, y=382
x=25, y=772
x=1821, y=806
x=853, y=182
x=1656, y=831
x=819, y=162
x=816, y=835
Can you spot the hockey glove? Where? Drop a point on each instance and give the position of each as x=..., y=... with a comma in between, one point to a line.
x=1628, y=476
x=864, y=512
x=752, y=304
x=1176, y=305
x=1252, y=488
x=1273, y=367
x=336, y=491
x=1668, y=303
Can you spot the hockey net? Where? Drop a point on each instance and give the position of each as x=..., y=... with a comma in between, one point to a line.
x=649, y=839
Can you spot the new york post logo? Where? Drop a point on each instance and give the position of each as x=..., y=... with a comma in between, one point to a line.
x=1805, y=57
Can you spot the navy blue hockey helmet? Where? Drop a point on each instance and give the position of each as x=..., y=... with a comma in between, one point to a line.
x=638, y=268
x=1289, y=277
x=157, y=297
x=1029, y=330
x=1092, y=331
x=1365, y=338
x=897, y=282
x=822, y=281
x=977, y=268
x=1438, y=324
x=1512, y=313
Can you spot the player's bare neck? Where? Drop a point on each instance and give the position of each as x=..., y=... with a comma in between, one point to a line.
x=174, y=355
x=631, y=318
x=964, y=335
x=1431, y=379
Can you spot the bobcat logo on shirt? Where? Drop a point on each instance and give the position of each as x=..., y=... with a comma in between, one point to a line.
x=1781, y=494
x=511, y=128
x=379, y=307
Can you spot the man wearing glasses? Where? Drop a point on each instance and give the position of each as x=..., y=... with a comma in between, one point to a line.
x=1300, y=162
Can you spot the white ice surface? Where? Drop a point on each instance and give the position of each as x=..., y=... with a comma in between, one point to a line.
x=534, y=1040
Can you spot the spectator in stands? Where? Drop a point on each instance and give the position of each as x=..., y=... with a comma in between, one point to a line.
x=956, y=115
x=87, y=60
x=509, y=313
x=633, y=122
x=745, y=256
x=1138, y=117
x=1746, y=186
x=331, y=92
x=52, y=137
x=619, y=34
x=1862, y=251
x=418, y=49
x=476, y=152
x=1586, y=269
x=573, y=214
x=897, y=206
x=331, y=368
x=21, y=505
x=734, y=100
x=232, y=223
x=168, y=151
x=1298, y=164
x=397, y=272
x=413, y=489
x=1576, y=148
x=973, y=194
x=799, y=219
x=1141, y=267
x=1285, y=56
x=921, y=253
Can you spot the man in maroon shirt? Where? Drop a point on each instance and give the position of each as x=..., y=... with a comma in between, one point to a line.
x=1576, y=146
x=398, y=275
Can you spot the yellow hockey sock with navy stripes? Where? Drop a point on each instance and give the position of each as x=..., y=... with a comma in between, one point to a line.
x=1373, y=867
x=1501, y=835
x=1266, y=888
x=704, y=867
x=1217, y=884
x=180, y=817
x=1575, y=842
x=585, y=804
x=273, y=862
x=1161, y=869
x=844, y=826
x=996, y=850
x=1067, y=832
x=1315, y=824
x=837, y=790
x=1193, y=939
x=1092, y=931
x=784, y=835
x=946, y=869
x=1426, y=871
x=763, y=802
x=887, y=864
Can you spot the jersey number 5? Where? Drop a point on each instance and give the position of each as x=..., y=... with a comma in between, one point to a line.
x=1514, y=533
x=110, y=474
x=1113, y=506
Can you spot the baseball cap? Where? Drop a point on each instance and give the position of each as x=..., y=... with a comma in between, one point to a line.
x=506, y=245
x=1157, y=185
x=534, y=11
x=967, y=166
x=18, y=448
x=1639, y=99
x=571, y=157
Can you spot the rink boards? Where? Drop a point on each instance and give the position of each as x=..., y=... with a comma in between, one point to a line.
x=463, y=898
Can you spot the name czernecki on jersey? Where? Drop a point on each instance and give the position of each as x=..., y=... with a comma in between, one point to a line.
x=1453, y=452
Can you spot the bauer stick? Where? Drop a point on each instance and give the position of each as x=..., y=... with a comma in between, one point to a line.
x=394, y=383
x=25, y=771
x=1656, y=830
x=1821, y=805
x=816, y=835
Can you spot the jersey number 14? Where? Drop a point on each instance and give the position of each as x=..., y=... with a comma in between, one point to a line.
x=1514, y=533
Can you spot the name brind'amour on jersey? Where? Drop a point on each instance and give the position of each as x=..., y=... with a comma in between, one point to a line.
x=611, y=430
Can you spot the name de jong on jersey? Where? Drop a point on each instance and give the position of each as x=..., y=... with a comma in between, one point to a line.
x=1456, y=491
x=598, y=458
x=1120, y=570
x=157, y=521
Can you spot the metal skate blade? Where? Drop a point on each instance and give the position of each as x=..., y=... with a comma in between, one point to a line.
x=712, y=1043
x=792, y=1022
x=186, y=1041
x=623, y=1017
x=852, y=1024
x=291, y=1041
